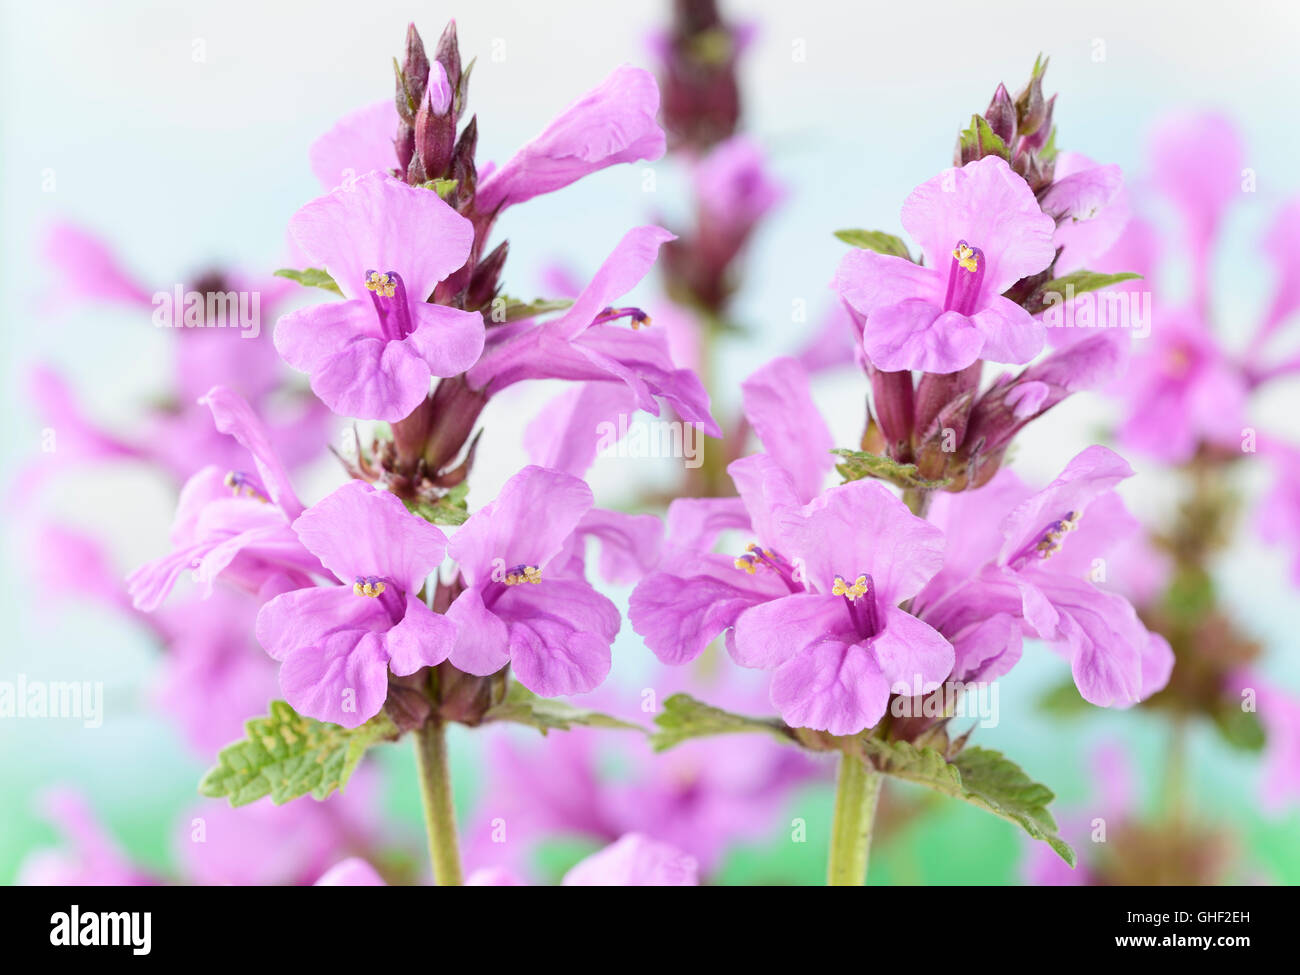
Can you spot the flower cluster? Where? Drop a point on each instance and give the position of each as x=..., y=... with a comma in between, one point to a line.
x=860, y=590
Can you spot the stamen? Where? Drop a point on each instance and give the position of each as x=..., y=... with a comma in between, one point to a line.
x=381, y=284
x=967, y=256
x=242, y=485
x=853, y=592
x=638, y=316
x=388, y=294
x=1054, y=536
x=523, y=573
x=860, y=597
x=368, y=586
x=965, y=278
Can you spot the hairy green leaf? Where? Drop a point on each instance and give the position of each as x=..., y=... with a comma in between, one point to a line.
x=450, y=509
x=979, y=776
x=522, y=706
x=683, y=717
x=1075, y=283
x=505, y=309
x=875, y=240
x=286, y=755
x=858, y=464
x=312, y=277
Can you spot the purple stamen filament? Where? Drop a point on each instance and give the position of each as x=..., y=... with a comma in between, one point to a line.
x=242, y=485
x=757, y=557
x=860, y=597
x=965, y=276
x=638, y=316
x=1049, y=542
x=388, y=292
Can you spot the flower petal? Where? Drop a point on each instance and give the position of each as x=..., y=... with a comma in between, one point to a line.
x=560, y=635
x=359, y=142
x=376, y=223
x=770, y=633
x=913, y=656
x=372, y=379
x=422, y=639
x=679, y=615
x=361, y=531
x=779, y=405
x=481, y=637
x=990, y=207
x=449, y=340
x=916, y=334
x=343, y=679
x=831, y=686
x=527, y=524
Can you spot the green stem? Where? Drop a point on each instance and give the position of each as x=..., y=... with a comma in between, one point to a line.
x=439, y=811
x=856, y=793
x=917, y=501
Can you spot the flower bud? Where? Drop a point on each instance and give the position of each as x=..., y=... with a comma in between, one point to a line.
x=435, y=126
x=1001, y=115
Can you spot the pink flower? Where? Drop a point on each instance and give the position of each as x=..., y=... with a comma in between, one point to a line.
x=587, y=343
x=635, y=860
x=980, y=230
x=232, y=524
x=1182, y=391
x=522, y=603
x=611, y=124
x=387, y=245
x=1036, y=565
x=336, y=644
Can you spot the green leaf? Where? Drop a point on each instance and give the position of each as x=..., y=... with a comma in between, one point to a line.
x=312, y=277
x=1075, y=283
x=858, y=464
x=875, y=240
x=522, y=706
x=506, y=310
x=684, y=717
x=450, y=509
x=443, y=187
x=979, y=776
x=980, y=140
x=286, y=755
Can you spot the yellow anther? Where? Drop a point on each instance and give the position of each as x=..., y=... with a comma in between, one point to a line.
x=1054, y=538
x=381, y=284
x=966, y=257
x=527, y=573
x=368, y=588
x=747, y=564
x=645, y=320
x=855, y=591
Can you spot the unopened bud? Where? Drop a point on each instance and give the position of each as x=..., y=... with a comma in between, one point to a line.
x=435, y=127
x=486, y=279
x=1001, y=115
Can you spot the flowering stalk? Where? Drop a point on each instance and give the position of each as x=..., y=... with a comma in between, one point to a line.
x=439, y=809
x=857, y=791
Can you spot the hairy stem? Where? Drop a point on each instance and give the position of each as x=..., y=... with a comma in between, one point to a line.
x=856, y=793
x=439, y=811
